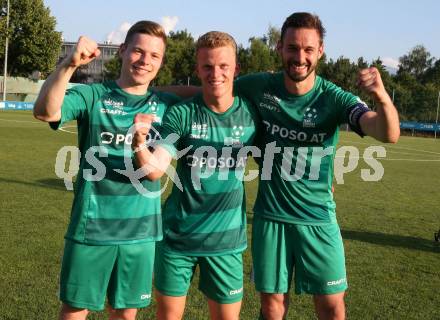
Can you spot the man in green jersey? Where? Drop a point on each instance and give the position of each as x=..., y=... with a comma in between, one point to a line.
x=295, y=228
x=110, y=242
x=205, y=215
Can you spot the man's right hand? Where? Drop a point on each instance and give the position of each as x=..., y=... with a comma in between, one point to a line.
x=142, y=124
x=85, y=51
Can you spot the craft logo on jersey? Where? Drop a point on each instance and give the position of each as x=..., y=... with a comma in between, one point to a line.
x=113, y=107
x=270, y=102
x=234, y=140
x=310, y=117
x=199, y=130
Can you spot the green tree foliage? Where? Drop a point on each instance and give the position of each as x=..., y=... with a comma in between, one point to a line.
x=34, y=45
x=416, y=62
x=113, y=68
x=179, y=64
x=432, y=75
x=257, y=57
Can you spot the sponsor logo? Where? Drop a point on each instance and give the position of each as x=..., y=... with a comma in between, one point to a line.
x=292, y=134
x=113, y=107
x=237, y=291
x=120, y=139
x=199, y=130
x=146, y=296
x=221, y=162
x=112, y=103
x=271, y=103
x=337, y=282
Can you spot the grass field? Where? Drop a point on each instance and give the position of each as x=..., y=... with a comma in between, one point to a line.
x=393, y=263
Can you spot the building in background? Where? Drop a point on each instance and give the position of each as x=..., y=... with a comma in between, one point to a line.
x=94, y=71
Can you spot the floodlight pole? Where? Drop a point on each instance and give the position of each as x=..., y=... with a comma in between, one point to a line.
x=5, y=67
x=436, y=118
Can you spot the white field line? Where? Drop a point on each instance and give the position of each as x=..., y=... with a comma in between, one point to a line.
x=25, y=121
x=410, y=153
x=391, y=147
x=37, y=122
x=388, y=159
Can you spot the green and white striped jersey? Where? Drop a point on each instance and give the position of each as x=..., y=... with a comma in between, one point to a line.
x=110, y=210
x=208, y=216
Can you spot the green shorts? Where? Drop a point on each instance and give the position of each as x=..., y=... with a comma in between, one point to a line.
x=123, y=273
x=221, y=277
x=316, y=253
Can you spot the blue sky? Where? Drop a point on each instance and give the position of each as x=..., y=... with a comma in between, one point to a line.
x=386, y=29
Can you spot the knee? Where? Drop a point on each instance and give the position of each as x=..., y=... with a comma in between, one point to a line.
x=122, y=314
x=331, y=308
x=70, y=313
x=273, y=306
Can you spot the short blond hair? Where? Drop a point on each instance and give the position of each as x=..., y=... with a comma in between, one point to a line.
x=216, y=39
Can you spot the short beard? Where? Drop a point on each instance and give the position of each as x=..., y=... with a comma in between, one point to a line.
x=296, y=78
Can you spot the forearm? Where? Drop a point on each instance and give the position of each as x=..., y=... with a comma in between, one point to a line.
x=181, y=91
x=47, y=107
x=387, y=120
x=151, y=167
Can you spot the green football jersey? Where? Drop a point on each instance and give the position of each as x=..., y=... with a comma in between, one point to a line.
x=206, y=216
x=301, y=132
x=107, y=209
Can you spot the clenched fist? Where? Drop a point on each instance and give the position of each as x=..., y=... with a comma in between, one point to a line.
x=85, y=51
x=371, y=81
x=142, y=124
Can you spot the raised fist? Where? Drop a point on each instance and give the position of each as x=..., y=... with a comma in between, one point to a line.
x=85, y=51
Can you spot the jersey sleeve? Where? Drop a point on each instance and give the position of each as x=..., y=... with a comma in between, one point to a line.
x=351, y=109
x=75, y=104
x=172, y=128
x=168, y=98
x=250, y=84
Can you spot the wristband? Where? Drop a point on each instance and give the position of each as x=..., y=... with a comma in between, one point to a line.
x=140, y=148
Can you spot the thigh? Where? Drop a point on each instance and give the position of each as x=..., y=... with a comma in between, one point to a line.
x=85, y=273
x=173, y=272
x=272, y=256
x=320, y=260
x=130, y=284
x=221, y=278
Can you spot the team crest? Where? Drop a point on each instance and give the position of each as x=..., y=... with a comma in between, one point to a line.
x=310, y=117
x=236, y=134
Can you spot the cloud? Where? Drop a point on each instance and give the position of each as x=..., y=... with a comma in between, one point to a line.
x=390, y=62
x=118, y=36
x=168, y=23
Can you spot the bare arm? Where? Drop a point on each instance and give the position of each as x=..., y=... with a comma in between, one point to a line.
x=48, y=104
x=383, y=125
x=181, y=91
x=153, y=164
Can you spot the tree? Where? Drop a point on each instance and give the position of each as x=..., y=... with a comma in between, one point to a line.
x=33, y=42
x=179, y=63
x=342, y=72
x=416, y=62
x=432, y=75
x=273, y=37
x=113, y=67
